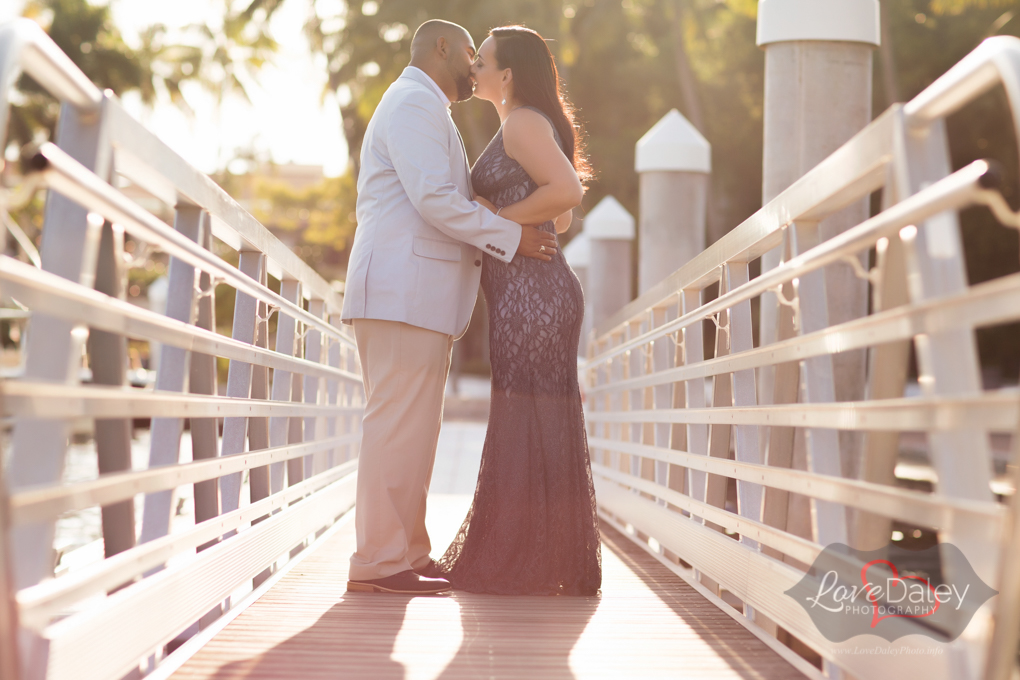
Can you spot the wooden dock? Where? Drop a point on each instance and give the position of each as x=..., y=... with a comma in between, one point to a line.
x=647, y=623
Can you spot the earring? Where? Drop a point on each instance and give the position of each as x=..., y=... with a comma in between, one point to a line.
x=503, y=88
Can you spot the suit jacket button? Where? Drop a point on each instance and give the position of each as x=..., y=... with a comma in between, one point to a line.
x=478, y=263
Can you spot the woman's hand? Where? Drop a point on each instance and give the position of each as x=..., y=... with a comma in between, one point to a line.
x=483, y=201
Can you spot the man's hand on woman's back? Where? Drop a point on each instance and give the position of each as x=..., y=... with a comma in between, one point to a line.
x=536, y=243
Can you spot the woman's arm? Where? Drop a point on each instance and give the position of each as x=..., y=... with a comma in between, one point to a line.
x=562, y=223
x=528, y=138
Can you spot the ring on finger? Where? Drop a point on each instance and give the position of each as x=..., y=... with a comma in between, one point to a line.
x=541, y=249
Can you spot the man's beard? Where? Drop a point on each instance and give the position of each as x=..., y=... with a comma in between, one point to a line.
x=465, y=89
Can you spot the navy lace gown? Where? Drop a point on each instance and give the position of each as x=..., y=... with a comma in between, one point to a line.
x=532, y=528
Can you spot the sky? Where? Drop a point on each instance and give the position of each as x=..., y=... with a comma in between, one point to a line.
x=288, y=119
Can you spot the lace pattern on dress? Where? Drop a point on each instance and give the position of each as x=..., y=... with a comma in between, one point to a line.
x=533, y=524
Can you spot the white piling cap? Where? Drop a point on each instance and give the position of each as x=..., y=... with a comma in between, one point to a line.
x=828, y=20
x=609, y=221
x=673, y=145
x=578, y=251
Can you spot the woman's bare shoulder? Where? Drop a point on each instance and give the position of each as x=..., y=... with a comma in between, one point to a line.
x=525, y=125
x=527, y=122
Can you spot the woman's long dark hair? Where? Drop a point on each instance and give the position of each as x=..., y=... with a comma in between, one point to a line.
x=537, y=83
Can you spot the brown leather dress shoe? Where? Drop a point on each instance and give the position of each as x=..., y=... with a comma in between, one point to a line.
x=406, y=583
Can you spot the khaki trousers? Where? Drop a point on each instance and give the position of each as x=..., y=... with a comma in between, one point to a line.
x=405, y=369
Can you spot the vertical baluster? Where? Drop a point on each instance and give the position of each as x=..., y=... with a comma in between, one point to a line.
x=661, y=354
x=615, y=399
x=679, y=477
x=594, y=403
x=746, y=446
x=297, y=469
x=356, y=397
x=716, y=486
x=347, y=396
x=53, y=347
x=286, y=342
x=258, y=428
x=202, y=380
x=647, y=470
x=314, y=427
x=888, y=365
x=108, y=360
x=251, y=264
x=779, y=441
x=948, y=365
x=335, y=426
x=697, y=434
x=829, y=523
x=634, y=368
x=165, y=433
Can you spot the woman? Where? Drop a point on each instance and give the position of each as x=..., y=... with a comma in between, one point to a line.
x=532, y=528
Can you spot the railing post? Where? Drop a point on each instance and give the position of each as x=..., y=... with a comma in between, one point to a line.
x=313, y=390
x=165, y=445
x=673, y=160
x=281, y=430
x=818, y=79
x=53, y=347
x=948, y=365
x=239, y=376
x=578, y=255
x=202, y=380
x=611, y=230
x=333, y=423
x=108, y=360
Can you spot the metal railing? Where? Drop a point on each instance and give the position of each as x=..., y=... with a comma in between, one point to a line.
x=289, y=423
x=674, y=422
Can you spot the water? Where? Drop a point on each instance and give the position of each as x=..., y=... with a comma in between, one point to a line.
x=78, y=537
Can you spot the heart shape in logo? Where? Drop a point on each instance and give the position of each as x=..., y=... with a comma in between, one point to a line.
x=875, y=618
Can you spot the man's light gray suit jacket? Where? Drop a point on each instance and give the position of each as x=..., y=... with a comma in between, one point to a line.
x=418, y=246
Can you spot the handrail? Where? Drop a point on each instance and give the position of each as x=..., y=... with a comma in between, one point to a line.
x=50, y=293
x=64, y=174
x=996, y=61
x=33, y=504
x=964, y=186
x=986, y=304
x=25, y=47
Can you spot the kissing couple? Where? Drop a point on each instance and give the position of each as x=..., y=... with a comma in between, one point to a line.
x=430, y=228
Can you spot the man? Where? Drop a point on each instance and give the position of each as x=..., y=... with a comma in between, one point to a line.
x=411, y=285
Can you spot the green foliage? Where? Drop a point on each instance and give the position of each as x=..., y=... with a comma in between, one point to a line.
x=221, y=56
x=321, y=216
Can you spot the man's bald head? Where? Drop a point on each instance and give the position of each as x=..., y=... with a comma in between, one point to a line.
x=426, y=38
x=446, y=52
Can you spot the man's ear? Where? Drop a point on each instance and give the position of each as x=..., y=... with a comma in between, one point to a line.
x=442, y=47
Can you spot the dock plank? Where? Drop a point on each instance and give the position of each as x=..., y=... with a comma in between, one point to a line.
x=647, y=623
